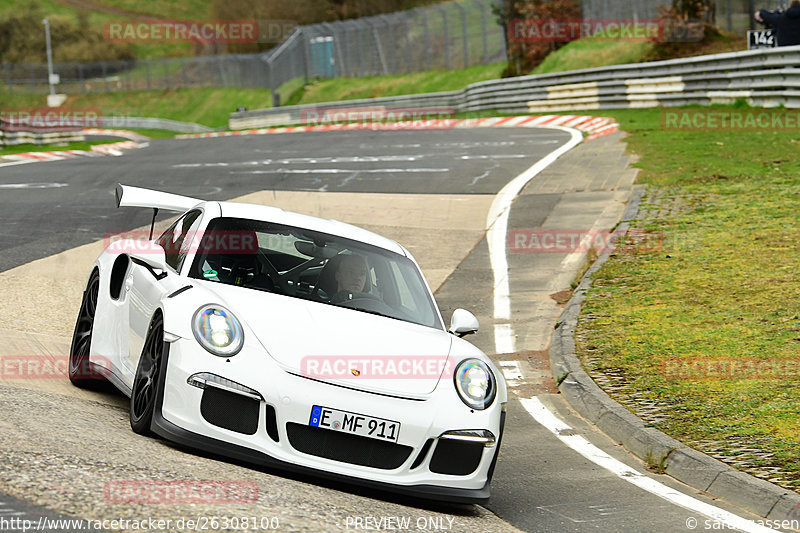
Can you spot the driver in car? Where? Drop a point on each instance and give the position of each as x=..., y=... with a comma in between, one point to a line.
x=351, y=277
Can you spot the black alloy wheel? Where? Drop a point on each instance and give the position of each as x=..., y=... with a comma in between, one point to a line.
x=81, y=372
x=146, y=381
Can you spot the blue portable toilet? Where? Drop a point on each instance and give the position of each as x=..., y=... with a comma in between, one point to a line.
x=322, y=65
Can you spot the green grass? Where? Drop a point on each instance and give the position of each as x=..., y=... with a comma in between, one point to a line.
x=331, y=90
x=22, y=148
x=592, y=52
x=725, y=287
x=206, y=106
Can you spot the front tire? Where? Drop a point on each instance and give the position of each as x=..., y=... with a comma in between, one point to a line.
x=81, y=373
x=146, y=381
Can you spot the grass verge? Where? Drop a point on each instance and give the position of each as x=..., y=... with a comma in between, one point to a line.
x=22, y=148
x=707, y=328
x=207, y=106
x=333, y=90
x=591, y=52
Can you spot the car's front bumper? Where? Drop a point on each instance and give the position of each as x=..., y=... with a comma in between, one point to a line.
x=178, y=418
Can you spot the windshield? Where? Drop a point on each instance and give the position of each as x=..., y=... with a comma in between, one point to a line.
x=323, y=268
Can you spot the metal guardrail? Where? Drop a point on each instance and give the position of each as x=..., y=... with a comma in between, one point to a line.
x=765, y=78
x=13, y=138
x=149, y=123
x=13, y=134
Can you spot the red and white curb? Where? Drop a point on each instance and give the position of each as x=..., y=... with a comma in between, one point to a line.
x=593, y=126
x=99, y=150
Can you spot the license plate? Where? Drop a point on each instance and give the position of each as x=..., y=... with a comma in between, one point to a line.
x=366, y=426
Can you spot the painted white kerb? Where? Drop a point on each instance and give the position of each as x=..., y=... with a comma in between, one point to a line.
x=497, y=228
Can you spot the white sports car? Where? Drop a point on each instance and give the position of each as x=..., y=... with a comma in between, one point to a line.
x=292, y=342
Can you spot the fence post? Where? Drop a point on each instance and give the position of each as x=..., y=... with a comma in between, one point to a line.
x=392, y=45
x=362, y=63
x=484, y=31
x=408, y=43
x=8, y=78
x=446, y=36
x=377, y=38
x=427, y=39
x=339, y=62
x=729, y=15
x=147, y=72
x=220, y=71
x=105, y=75
x=463, y=32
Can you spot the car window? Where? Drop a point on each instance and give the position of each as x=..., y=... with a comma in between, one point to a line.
x=174, y=240
x=324, y=268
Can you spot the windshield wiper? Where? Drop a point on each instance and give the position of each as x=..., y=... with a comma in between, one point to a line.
x=372, y=312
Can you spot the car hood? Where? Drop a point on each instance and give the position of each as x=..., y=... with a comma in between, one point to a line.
x=343, y=346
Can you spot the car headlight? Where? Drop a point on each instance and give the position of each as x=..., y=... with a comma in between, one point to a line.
x=217, y=330
x=475, y=383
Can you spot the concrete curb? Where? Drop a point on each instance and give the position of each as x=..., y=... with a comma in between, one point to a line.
x=652, y=446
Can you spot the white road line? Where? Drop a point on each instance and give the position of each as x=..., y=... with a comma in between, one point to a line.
x=497, y=228
x=32, y=185
x=563, y=432
x=23, y=162
x=341, y=171
x=512, y=372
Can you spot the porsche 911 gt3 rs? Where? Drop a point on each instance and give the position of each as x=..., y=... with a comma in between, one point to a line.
x=292, y=342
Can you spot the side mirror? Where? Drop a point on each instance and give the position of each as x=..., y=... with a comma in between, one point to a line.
x=463, y=323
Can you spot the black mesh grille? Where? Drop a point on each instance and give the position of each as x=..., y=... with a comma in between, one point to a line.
x=229, y=410
x=272, y=423
x=422, y=453
x=456, y=457
x=347, y=448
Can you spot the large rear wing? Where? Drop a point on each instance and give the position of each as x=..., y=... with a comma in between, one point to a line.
x=128, y=196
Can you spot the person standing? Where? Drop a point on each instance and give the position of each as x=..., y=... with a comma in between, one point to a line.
x=786, y=24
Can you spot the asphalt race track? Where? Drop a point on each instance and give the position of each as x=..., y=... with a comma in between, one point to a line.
x=431, y=190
